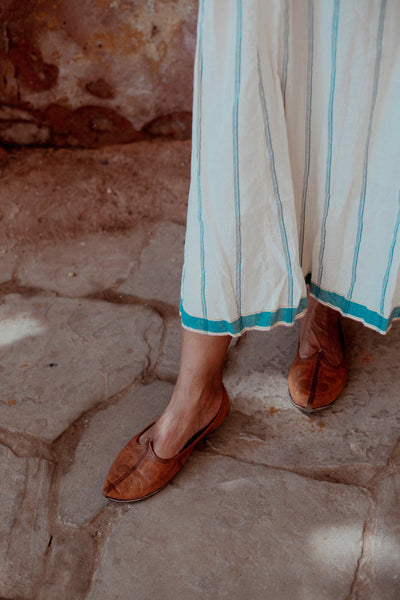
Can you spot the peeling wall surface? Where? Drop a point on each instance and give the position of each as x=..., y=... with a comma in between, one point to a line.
x=95, y=72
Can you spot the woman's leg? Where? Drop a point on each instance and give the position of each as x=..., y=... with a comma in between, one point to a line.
x=198, y=391
x=198, y=403
x=197, y=395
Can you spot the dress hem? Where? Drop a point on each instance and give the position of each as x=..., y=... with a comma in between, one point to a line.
x=267, y=320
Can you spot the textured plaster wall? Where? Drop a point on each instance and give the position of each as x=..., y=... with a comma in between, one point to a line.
x=94, y=72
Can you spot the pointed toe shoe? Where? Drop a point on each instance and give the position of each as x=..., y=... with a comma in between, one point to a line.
x=138, y=472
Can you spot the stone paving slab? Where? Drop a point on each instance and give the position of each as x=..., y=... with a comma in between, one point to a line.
x=238, y=539
x=60, y=357
x=353, y=438
x=158, y=276
x=85, y=265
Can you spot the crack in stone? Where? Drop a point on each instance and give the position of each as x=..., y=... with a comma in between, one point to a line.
x=363, y=580
x=146, y=243
x=58, y=533
x=162, y=354
x=149, y=368
x=12, y=287
x=151, y=371
x=99, y=527
x=391, y=467
x=24, y=445
x=394, y=458
x=31, y=526
x=17, y=514
x=65, y=444
x=315, y=473
x=163, y=309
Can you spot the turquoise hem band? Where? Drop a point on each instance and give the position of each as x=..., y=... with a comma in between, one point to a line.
x=262, y=320
x=352, y=309
x=287, y=316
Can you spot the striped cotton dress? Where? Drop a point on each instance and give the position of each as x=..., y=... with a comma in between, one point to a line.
x=295, y=163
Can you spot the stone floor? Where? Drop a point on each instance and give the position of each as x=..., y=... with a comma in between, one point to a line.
x=273, y=506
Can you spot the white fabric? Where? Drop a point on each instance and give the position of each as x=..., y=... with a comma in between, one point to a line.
x=295, y=163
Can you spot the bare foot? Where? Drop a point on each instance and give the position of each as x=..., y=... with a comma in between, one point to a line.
x=192, y=407
x=320, y=331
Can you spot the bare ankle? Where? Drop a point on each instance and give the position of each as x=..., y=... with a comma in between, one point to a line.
x=195, y=386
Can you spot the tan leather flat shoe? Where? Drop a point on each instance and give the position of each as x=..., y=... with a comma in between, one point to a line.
x=314, y=383
x=138, y=472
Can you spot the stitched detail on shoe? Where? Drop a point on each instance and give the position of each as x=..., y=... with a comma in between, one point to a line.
x=133, y=468
x=314, y=382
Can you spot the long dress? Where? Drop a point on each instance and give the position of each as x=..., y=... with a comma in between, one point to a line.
x=295, y=164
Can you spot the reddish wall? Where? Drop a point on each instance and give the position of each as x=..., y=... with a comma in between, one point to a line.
x=94, y=72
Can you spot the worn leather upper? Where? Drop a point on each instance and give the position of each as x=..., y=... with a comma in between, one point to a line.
x=138, y=472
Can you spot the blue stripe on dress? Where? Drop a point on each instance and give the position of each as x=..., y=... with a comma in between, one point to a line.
x=198, y=174
x=335, y=24
x=390, y=261
x=365, y=166
x=274, y=178
x=308, y=125
x=285, y=60
x=235, y=128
